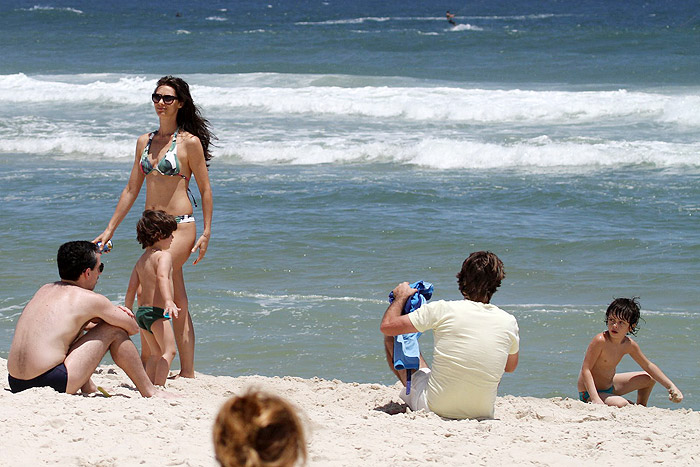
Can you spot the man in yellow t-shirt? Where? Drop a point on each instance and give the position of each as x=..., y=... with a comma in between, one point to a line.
x=475, y=343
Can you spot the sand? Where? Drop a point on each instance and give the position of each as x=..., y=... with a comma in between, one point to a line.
x=347, y=424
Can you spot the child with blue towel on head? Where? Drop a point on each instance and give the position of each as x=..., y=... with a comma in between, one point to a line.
x=152, y=278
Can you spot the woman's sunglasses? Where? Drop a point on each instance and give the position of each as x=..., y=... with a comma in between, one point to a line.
x=155, y=97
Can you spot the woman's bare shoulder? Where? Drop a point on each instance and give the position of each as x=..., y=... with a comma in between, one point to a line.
x=193, y=146
x=190, y=139
x=143, y=138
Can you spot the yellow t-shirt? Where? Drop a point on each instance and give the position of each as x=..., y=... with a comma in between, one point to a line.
x=472, y=344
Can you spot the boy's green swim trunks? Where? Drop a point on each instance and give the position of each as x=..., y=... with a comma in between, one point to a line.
x=147, y=315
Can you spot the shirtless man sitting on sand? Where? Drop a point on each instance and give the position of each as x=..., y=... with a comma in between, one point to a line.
x=49, y=347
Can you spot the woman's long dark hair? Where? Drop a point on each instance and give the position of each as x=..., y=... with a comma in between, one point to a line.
x=189, y=118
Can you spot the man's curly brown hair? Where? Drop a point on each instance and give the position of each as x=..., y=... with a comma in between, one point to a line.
x=480, y=277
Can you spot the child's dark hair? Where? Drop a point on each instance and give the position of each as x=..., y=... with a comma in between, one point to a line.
x=154, y=226
x=480, y=276
x=626, y=309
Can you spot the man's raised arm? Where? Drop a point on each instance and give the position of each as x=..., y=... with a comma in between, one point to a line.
x=116, y=315
x=393, y=322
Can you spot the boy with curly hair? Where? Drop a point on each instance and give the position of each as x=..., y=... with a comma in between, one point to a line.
x=152, y=279
x=599, y=383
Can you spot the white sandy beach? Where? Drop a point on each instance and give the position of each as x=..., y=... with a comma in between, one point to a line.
x=347, y=424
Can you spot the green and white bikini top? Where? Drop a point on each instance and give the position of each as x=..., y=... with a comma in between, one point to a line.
x=168, y=165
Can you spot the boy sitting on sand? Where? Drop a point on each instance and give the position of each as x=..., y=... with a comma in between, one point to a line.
x=152, y=278
x=598, y=383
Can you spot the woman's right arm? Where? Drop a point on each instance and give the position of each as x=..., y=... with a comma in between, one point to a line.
x=128, y=196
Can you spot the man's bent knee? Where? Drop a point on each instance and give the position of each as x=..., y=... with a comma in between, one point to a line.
x=389, y=340
x=389, y=349
x=108, y=332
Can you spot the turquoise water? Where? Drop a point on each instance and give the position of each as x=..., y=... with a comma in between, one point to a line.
x=365, y=144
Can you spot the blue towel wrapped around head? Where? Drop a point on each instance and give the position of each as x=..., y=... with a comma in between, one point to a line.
x=406, y=349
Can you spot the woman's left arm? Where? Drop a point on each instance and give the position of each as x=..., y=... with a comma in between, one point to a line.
x=198, y=165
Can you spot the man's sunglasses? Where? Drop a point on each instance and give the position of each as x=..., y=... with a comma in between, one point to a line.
x=155, y=97
x=102, y=267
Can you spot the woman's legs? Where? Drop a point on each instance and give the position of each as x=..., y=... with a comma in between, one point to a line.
x=182, y=325
x=180, y=249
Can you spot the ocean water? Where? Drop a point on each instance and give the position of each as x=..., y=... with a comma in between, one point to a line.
x=365, y=143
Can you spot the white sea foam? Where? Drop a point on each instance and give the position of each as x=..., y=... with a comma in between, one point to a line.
x=383, y=19
x=457, y=154
x=288, y=95
x=301, y=298
x=346, y=21
x=305, y=119
x=523, y=17
x=51, y=8
x=72, y=146
x=20, y=88
x=541, y=152
x=433, y=153
x=459, y=105
x=465, y=27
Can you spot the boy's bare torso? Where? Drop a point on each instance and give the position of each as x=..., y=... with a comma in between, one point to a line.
x=612, y=352
x=147, y=270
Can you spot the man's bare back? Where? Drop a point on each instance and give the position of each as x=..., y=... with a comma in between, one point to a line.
x=49, y=324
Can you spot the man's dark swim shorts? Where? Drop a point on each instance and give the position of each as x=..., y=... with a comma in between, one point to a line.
x=56, y=378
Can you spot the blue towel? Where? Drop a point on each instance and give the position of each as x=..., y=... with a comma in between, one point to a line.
x=406, y=349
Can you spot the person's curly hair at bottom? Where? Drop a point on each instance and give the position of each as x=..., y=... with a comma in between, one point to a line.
x=258, y=430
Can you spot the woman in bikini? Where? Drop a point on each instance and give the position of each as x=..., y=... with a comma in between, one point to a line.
x=166, y=159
